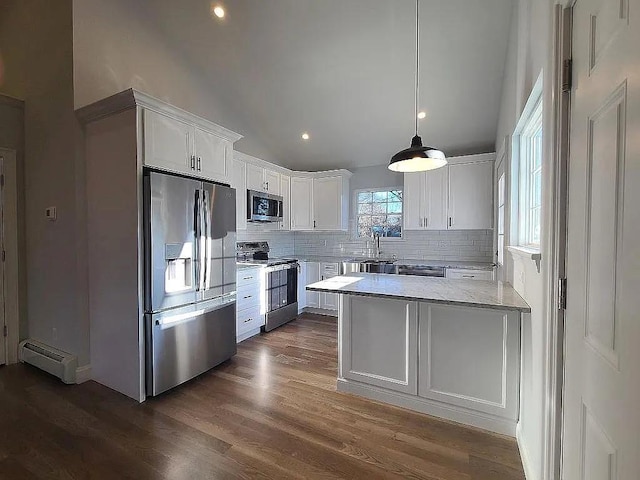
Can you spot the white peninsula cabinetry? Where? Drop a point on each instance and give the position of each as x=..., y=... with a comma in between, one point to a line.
x=123, y=134
x=458, y=196
x=449, y=348
x=250, y=304
x=320, y=302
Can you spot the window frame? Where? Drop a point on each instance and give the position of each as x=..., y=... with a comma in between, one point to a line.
x=529, y=126
x=356, y=215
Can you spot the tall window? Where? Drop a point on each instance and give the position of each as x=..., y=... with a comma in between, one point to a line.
x=379, y=212
x=501, y=219
x=530, y=184
x=527, y=172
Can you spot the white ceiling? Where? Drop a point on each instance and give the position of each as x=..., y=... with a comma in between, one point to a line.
x=343, y=70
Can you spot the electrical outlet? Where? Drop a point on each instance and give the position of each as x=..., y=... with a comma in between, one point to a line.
x=51, y=213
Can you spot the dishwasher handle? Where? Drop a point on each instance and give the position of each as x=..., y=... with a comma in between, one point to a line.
x=421, y=270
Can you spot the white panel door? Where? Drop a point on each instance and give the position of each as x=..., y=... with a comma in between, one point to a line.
x=413, y=201
x=238, y=179
x=435, y=199
x=212, y=154
x=601, y=424
x=313, y=276
x=301, y=203
x=471, y=196
x=168, y=143
x=285, y=191
x=327, y=203
x=255, y=178
x=272, y=182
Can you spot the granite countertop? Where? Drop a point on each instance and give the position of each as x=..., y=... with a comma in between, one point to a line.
x=468, y=293
x=431, y=263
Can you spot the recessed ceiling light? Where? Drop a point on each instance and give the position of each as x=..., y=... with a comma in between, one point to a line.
x=422, y=115
x=218, y=11
x=305, y=136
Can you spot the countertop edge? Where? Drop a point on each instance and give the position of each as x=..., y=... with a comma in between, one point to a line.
x=455, y=303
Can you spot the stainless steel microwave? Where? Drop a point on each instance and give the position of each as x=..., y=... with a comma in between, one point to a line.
x=263, y=207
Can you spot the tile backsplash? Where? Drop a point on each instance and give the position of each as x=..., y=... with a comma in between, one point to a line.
x=467, y=245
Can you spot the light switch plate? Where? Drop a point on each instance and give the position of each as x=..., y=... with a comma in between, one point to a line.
x=51, y=213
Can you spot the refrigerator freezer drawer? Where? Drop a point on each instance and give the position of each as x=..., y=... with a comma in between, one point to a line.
x=184, y=345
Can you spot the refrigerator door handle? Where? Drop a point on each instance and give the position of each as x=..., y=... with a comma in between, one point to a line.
x=196, y=230
x=207, y=239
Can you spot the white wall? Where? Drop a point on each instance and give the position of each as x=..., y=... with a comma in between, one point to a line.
x=37, y=54
x=119, y=45
x=529, y=51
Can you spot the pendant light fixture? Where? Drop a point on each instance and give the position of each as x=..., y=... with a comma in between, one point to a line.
x=417, y=158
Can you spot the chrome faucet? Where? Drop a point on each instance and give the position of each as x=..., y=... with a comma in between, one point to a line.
x=376, y=240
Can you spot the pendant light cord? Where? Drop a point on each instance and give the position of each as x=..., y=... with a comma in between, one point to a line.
x=417, y=61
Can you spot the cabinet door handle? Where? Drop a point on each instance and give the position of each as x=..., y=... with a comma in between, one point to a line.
x=199, y=164
x=248, y=320
x=426, y=221
x=450, y=223
x=421, y=222
x=314, y=224
x=193, y=162
x=468, y=276
x=247, y=278
x=247, y=296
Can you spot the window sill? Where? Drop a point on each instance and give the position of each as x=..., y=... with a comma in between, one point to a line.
x=526, y=252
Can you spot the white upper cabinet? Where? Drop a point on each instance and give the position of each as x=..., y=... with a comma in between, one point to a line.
x=238, y=181
x=327, y=204
x=320, y=201
x=212, y=154
x=187, y=144
x=262, y=179
x=435, y=199
x=425, y=200
x=301, y=203
x=167, y=143
x=255, y=178
x=272, y=182
x=471, y=196
x=285, y=191
x=456, y=197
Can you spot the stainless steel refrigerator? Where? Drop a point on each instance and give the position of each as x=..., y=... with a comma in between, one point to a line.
x=190, y=278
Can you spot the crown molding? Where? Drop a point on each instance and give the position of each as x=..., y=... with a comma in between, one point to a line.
x=133, y=98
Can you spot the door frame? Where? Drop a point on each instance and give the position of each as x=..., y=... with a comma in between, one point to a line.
x=11, y=264
x=557, y=148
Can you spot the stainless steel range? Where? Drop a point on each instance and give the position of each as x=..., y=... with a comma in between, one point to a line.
x=281, y=282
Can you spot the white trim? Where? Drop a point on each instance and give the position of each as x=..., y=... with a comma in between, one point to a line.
x=133, y=98
x=524, y=455
x=83, y=374
x=12, y=264
x=453, y=413
x=244, y=336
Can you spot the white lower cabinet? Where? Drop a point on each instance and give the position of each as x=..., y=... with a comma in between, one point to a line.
x=470, y=357
x=329, y=301
x=459, y=363
x=462, y=273
x=313, y=276
x=379, y=343
x=316, y=271
x=302, y=286
x=249, y=302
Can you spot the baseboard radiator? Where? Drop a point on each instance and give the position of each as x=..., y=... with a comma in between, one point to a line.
x=56, y=362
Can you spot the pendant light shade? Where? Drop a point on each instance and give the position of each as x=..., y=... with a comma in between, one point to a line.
x=417, y=158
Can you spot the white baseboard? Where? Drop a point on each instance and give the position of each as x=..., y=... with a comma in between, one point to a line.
x=524, y=455
x=83, y=374
x=249, y=334
x=454, y=413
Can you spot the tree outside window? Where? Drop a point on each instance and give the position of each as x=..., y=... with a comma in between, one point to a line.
x=379, y=212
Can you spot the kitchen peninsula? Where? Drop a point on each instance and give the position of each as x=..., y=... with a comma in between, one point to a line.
x=444, y=347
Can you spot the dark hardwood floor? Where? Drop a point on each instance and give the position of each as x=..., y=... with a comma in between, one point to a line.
x=270, y=412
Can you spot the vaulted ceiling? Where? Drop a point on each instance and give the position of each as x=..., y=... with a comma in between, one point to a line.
x=343, y=70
